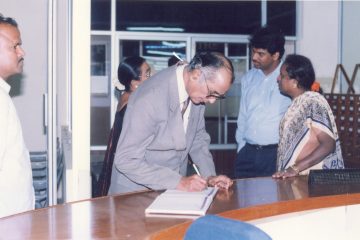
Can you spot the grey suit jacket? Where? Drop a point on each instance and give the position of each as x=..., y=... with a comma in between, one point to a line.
x=153, y=147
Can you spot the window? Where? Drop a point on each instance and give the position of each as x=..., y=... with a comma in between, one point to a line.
x=100, y=14
x=155, y=52
x=220, y=117
x=100, y=90
x=227, y=17
x=283, y=15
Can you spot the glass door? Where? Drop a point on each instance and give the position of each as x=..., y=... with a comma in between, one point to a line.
x=156, y=48
x=101, y=97
x=220, y=117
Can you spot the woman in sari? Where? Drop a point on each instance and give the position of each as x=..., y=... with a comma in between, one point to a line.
x=308, y=133
x=131, y=73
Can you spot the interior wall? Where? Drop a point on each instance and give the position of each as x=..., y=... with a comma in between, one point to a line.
x=319, y=37
x=62, y=70
x=351, y=39
x=27, y=92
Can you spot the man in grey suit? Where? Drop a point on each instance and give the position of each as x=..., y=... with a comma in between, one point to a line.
x=157, y=136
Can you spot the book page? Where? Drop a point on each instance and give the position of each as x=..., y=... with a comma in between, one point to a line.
x=180, y=202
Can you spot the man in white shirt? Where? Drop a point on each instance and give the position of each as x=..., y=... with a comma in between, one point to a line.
x=261, y=106
x=16, y=186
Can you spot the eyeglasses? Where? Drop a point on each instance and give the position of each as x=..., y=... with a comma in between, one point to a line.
x=213, y=95
x=146, y=74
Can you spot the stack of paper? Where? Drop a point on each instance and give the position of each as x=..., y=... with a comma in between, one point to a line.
x=181, y=203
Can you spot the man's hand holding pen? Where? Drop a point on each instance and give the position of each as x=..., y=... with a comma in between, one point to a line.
x=198, y=183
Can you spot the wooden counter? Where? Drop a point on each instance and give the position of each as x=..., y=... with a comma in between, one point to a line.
x=122, y=216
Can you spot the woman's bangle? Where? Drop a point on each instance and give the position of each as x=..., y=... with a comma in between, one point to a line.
x=296, y=169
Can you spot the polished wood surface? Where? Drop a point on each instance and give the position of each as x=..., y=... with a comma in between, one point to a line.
x=122, y=216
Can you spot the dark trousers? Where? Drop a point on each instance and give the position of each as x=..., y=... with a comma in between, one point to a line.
x=256, y=161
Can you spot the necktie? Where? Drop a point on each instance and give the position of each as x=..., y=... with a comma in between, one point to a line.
x=185, y=105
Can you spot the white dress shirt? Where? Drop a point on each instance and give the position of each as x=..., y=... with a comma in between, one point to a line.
x=16, y=184
x=261, y=108
x=183, y=95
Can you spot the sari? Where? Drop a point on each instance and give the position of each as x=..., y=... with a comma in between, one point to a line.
x=103, y=184
x=307, y=111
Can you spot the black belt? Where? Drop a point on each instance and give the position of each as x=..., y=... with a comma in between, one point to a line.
x=262, y=146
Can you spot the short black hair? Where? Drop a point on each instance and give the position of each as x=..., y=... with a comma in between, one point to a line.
x=211, y=60
x=8, y=20
x=270, y=38
x=130, y=69
x=172, y=61
x=300, y=68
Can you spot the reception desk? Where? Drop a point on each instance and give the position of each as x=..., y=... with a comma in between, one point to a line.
x=122, y=216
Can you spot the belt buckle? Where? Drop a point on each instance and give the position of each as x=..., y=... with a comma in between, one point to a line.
x=259, y=147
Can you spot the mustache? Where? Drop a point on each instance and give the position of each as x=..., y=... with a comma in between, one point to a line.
x=21, y=60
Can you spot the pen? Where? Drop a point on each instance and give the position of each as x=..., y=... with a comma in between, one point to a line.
x=196, y=169
x=198, y=173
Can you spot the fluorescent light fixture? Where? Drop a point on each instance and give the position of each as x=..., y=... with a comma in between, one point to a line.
x=155, y=29
x=160, y=53
x=157, y=52
x=174, y=45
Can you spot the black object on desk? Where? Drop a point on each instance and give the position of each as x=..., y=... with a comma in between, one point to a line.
x=334, y=181
x=335, y=176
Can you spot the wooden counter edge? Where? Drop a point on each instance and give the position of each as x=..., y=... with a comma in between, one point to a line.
x=267, y=210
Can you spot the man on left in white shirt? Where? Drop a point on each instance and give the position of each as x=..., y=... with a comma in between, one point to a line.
x=16, y=185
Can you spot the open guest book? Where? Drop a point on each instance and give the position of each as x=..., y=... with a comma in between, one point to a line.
x=181, y=203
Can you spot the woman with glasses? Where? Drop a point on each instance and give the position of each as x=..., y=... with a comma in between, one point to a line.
x=132, y=72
